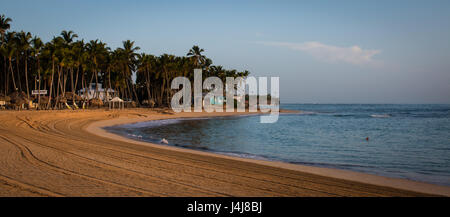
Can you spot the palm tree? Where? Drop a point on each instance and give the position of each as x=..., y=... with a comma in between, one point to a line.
x=130, y=61
x=24, y=44
x=79, y=55
x=3, y=53
x=36, y=51
x=168, y=64
x=196, y=53
x=9, y=51
x=114, y=67
x=60, y=60
x=147, y=63
x=68, y=36
x=50, y=51
x=24, y=56
x=218, y=71
x=97, y=52
x=4, y=25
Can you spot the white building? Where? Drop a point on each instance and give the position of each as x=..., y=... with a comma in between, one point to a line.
x=101, y=92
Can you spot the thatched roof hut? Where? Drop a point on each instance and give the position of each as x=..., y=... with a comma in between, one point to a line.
x=5, y=98
x=96, y=102
x=61, y=99
x=73, y=97
x=16, y=94
x=130, y=104
x=44, y=99
x=18, y=98
x=151, y=103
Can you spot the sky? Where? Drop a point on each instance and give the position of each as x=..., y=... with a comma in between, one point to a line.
x=323, y=51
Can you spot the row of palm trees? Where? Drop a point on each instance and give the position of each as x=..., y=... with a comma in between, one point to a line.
x=64, y=65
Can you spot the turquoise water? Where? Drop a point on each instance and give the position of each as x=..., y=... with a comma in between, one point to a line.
x=405, y=141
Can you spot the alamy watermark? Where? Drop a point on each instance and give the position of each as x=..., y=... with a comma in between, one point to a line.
x=235, y=91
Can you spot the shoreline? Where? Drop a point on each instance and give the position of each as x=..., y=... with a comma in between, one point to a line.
x=97, y=128
x=67, y=153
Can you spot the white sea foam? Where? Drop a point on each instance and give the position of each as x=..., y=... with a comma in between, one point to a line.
x=243, y=155
x=380, y=116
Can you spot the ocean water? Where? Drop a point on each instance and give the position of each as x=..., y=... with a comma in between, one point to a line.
x=404, y=141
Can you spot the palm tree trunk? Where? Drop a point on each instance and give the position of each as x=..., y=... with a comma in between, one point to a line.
x=76, y=77
x=75, y=87
x=168, y=89
x=83, y=81
x=6, y=79
x=64, y=84
x=39, y=83
x=71, y=78
x=6, y=76
x=96, y=84
x=18, y=74
x=26, y=76
x=12, y=74
x=154, y=95
x=134, y=91
x=148, y=87
x=109, y=79
x=57, y=87
x=105, y=88
x=88, y=87
x=128, y=89
x=51, y=84
x=125, y=92
x=162, y=92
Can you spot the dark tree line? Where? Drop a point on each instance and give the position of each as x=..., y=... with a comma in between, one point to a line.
x=65, y=64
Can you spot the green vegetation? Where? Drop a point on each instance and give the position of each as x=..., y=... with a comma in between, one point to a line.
x=65, y=64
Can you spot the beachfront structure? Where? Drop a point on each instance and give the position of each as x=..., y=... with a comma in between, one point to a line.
x=2, y=103
x=90, y=92
x=116, y=101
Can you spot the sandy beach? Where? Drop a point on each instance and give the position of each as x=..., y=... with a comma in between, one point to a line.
x=67, y=153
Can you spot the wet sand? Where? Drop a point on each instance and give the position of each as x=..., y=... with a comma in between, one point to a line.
x=67, y=153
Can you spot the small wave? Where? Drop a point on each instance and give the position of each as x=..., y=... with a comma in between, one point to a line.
x=243, y=155
x=380, y=116
x=134, y=136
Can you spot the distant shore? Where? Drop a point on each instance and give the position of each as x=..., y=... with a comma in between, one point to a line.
x=68, y=153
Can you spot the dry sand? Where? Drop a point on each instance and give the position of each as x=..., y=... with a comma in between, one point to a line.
x=66, y=153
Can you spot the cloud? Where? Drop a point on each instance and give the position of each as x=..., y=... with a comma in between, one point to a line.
x=329, y=53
